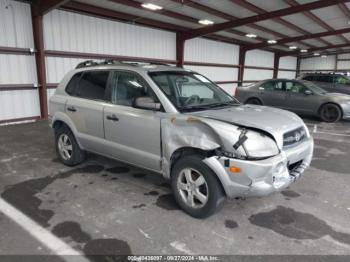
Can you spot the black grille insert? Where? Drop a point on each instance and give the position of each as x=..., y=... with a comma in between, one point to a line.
x=294, y=137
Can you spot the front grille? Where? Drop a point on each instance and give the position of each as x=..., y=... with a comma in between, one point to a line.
x=294, y=137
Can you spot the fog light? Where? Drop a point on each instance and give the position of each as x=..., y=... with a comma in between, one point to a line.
x=234, y=169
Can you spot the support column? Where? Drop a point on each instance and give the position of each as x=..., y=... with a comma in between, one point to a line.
x=37, y=20
x=276, y=65
x=241, y=62
x=298, y=67
x=180, y=48
x=336, y=63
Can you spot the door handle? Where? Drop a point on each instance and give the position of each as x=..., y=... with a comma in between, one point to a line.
x=71, y=108
x=112, y=117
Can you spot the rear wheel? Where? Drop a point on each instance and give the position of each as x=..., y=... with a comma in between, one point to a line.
x=67, y=147
x=196, y=187
x=330, y=113
x=254, y=101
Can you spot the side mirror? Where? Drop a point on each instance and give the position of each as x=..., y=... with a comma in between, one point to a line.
x=146, y=102
x=308, y=92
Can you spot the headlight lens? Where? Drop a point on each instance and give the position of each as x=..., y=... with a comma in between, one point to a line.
x=260, y=146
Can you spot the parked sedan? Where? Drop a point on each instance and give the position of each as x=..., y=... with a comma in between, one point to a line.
x=300, y=96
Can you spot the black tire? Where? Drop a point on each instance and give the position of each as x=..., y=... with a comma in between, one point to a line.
x=254, y=101
x=77, y=154
x=330, y=113
x=213, y=188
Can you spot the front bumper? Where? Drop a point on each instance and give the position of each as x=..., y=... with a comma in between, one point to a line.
x=262, y=177
x=346, y=110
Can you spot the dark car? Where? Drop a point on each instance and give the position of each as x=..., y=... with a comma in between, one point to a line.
x=335, y=83
x=300, y=96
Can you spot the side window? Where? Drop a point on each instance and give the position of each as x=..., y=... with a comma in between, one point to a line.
x=309, y=78
x=273, y=86
x=341, y=80
x=73, y=83
x=269, y=85
x=295, y=87
x=127, y=86
x=92, y=85
x=325, y=78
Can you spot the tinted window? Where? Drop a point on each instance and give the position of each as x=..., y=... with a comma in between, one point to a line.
x=273, y=86
x=127, y=86
x=342, y=80
x=325, y=78
x=73, y=83
x=295, y=87
x=309, y=78
x=92, y=85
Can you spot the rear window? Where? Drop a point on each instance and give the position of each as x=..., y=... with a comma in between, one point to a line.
x=92, y=85
x=73, y=83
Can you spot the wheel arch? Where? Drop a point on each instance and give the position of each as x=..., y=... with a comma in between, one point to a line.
x=188, y=151
x=253, y=97
x=61, y=119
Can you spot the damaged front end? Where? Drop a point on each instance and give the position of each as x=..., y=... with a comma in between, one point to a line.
x=247, y=161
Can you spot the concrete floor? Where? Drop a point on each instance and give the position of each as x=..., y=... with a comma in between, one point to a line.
x=107, y=207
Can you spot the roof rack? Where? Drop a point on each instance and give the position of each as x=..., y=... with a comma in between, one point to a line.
x=89, y=63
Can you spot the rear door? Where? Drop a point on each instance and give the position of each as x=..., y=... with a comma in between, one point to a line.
x=341, y=84
x=297, y=100
x=133, y=134
x=273, y=93
x=324, y=81
x=85, y=106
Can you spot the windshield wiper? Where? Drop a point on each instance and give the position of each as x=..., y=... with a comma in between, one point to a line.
x=207, y=106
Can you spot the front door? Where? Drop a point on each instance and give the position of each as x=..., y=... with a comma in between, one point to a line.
x=133, y=133
x=272, y=93
x=297, y=99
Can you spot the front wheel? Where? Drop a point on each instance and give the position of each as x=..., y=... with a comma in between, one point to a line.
x=196, y=187
x=330, y=113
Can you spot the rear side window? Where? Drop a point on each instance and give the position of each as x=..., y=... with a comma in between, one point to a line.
x=309, y=78
x=92, y=85
x=73, y=83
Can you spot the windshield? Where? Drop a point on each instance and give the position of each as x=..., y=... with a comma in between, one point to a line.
x=313, y=87
x=189, y=91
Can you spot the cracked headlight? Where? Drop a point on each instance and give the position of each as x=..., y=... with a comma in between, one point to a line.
x=258, y=145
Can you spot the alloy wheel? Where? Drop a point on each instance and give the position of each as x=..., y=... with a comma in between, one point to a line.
x=193, y=188
x=65, y=147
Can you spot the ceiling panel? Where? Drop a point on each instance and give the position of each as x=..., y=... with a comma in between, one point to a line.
x=304, y=22
x=226, y=6
x=269, y=5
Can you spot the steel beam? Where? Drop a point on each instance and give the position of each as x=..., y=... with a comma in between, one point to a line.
x=257, y=18
x=180, y=49
x=37, y=21
x=241, y=61
x=45, y=6
x=314, y=49
x=298, y=38
x=276, y=63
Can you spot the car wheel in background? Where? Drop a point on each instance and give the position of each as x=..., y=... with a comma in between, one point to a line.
x=254, y=101
x=67, y=147
x=196, y=187
x=330, y=113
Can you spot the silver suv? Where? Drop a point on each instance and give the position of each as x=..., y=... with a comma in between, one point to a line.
x=181, y=125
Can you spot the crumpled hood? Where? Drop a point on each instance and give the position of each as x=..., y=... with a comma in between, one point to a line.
x=272, y=120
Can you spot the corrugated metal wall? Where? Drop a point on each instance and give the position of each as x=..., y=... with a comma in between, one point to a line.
x=208, y=51
x=287, y=62
x=16, y=31
x=318, y=63
x=258, y=58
